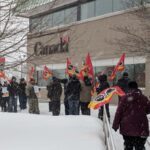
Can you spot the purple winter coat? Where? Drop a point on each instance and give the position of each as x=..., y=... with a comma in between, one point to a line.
x=131, y=115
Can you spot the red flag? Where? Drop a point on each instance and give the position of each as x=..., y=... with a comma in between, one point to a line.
x=2, y=74
x=70, y=70
x=31, y=73
x=47, y=73
x=119, y=67
x=105, y=97
x=87, y=68
x=2, y=59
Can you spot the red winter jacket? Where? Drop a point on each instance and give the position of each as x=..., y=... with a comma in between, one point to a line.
x=131, y=115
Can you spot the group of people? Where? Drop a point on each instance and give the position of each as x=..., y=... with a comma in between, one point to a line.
x=131, y=114
x=11, y=91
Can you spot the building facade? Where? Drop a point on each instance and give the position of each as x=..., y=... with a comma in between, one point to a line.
x=72, y=28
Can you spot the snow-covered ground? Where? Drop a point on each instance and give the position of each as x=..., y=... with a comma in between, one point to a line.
x=23, y=131
x=44, y=132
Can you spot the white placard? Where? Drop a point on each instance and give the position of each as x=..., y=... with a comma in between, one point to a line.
x=36, y=89
x=4, y=90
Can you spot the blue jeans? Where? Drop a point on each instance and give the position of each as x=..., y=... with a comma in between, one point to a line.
x=23, y=101
x=73, y=107
x=12, y=107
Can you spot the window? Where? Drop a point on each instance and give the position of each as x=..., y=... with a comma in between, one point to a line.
x=47, y=21
x=136, y=72
x=35, y=24
x=70, y=15
x=119, y=5
x=58, y=18
x=103, y=7
x=87, y=10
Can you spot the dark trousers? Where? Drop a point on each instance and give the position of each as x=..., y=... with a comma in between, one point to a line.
x=66, y=107
x=23, y=101
x=4, y=103
x=101, y=112
x=50, y=106
x=131, y=142
x=12, y=107
x=56, y=108
x=73, y=107
x=84, y=108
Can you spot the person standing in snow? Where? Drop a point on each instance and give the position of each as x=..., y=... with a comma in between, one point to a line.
x=5, y=97
x=131, y=118
x=13, y=89
x=32, y=92
x=123, y=83
x=73, y=91
x=85, y=95
x=102, y=86
x=66, y=103
x=22, y=94
x=54, y=93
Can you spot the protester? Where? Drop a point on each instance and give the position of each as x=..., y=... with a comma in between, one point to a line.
x=13, y=89
x=123, y=82
x=54, y=93
x=22, y=94
x=5, y=97
x=73, y=92
x=131, y=118
x=66, y=103
x=85, y=95
x=1, y=94
x=102, y=86
x=32, y=92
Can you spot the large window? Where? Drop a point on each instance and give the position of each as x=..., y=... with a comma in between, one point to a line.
x=136, y=72
x=103, y=7
x=59, y=73
x=55, y=19
x=87, y=10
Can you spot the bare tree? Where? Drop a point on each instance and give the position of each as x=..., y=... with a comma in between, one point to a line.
x=137, y=38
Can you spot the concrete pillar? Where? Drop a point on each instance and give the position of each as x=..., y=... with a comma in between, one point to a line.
x=147, y=73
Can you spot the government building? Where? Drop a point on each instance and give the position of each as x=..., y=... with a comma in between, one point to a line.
x=72, y=28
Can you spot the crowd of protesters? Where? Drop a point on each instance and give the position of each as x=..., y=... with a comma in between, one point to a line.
x=130, y=115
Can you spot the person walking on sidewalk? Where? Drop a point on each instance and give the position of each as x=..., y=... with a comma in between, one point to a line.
x=131, y=118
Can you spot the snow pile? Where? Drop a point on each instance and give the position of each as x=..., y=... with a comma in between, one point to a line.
x=34, y=132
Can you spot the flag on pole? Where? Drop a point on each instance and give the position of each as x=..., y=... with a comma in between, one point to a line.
x=47, y=73
x=87, y=68
x=105, y=97
x=119, y=67
x=71, y=70
x=31, y=73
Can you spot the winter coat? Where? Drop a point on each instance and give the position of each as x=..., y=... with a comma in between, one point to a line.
x=103, y=85
x=22, y=89
x=65, y=82
x=131, y=115
x=13, y=89
x=73, y=89
x=85, y=95
x=30, y=93
x=123, y=83
x=54, y=91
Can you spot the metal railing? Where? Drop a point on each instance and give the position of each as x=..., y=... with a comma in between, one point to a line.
x=108, y=133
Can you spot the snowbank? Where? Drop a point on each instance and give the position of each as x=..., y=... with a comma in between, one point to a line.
x=34, y=132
